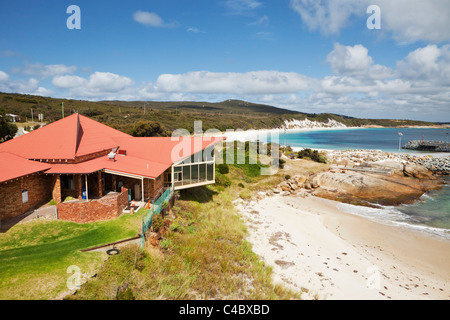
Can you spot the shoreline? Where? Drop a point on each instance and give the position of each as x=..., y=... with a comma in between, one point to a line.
x=315, y=247
x=250, y=134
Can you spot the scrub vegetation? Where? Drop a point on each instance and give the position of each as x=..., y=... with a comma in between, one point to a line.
x=150, y=118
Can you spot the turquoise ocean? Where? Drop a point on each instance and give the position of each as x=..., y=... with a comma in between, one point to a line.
x=430, y=214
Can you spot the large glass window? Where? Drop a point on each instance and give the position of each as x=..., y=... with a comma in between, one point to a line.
x=202, y=171
x=210, y=171
x=194, y=170
x=194, y=174
x=186, y=175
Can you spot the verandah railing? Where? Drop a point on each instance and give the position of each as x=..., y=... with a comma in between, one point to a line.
x=155, y=208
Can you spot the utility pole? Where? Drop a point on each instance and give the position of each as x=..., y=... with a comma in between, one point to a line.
x=62, y=109
x=32, y=117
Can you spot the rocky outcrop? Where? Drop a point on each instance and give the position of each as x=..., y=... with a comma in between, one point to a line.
x=382, y=182
x=416, y=171
x=367, y=188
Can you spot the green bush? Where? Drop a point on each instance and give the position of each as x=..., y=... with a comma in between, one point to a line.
x=222, y=180
x=223, y=168
x=314, y=155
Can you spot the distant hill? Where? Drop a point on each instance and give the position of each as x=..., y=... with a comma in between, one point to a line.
x=229, y=114
x=228, y=106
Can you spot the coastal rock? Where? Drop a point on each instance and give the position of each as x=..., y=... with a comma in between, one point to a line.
x=397, y=166
x=417, y=171
x=307, y=185
x=363, y=188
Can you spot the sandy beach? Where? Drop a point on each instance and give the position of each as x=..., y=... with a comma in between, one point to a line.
x=329, y=254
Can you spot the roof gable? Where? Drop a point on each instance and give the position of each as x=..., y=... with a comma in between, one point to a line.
x=12, y=166
x=56, y=140
x=67, y=138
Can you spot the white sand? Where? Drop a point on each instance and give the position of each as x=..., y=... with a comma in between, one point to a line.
x=334, y=255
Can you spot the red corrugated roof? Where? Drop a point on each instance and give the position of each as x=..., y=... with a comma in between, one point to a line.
x=67, y=138
x=146, y=157
x=12, y=166
x=77, y=135
x=165, y=150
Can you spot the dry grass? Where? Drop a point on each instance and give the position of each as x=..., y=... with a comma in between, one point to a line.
x=203, y=256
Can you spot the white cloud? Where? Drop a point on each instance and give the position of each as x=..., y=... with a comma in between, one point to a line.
x=412, y=20
x=407, y=20
x=45, y=71
x=195, y=30
x=106, y=81
x=150, y=19
x=429, y=64
x=355, y=61
x=99, y=85
x=419, y=86
x=241, y=6
x=263, y=21
x=327, y=16
x=3, y=76
x=68, y=81
x=257, y=82
x=30, y=86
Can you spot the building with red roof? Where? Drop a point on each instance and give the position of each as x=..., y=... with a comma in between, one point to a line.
x=83, y=159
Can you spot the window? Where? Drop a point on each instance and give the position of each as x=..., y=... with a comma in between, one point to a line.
x=24, y=196
x=194, y=173
x=186, y=175
x=177, y=176
x=202, y=169
x=67, y=182
x=210, y=172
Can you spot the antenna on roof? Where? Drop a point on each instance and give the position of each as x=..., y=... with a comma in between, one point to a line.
x=112, y=154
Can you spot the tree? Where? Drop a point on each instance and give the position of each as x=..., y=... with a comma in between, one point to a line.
x=146, y=128
x=7, y=130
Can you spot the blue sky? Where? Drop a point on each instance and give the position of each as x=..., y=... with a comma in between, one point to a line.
x=305, y=55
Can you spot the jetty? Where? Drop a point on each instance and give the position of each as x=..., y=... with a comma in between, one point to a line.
x=434, y=146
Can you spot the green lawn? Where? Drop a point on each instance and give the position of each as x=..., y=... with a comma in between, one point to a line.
x=34, y=256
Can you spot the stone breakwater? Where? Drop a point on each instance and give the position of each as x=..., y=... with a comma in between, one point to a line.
x=370, y=158
x=419, y=145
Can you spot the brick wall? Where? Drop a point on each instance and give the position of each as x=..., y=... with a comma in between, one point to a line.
x=55, y=187
x=39, y=192
x=108, y=207
x=153, y=188
x=77, y=159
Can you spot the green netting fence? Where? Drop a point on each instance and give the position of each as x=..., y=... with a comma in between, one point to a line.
x=155, y=208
